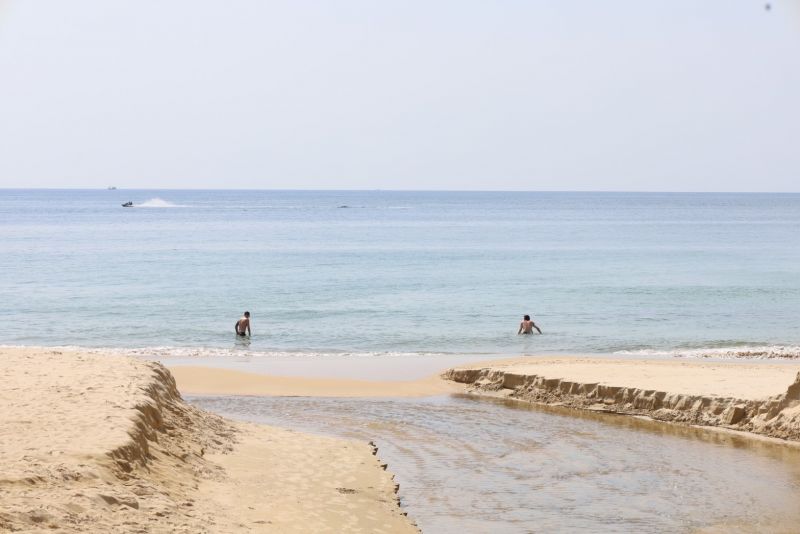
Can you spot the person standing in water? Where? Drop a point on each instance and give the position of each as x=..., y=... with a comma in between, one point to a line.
x=243, y=325
x=527, y=326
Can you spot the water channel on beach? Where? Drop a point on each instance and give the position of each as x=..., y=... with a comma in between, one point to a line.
x=480, y=465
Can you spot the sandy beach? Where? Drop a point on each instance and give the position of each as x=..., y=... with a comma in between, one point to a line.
x=95, y=443
x=92, y=443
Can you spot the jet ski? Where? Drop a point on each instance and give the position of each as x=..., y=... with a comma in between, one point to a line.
x=128, y=205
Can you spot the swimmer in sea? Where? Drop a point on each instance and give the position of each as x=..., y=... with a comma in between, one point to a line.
x=527, y=326
x=243, y=325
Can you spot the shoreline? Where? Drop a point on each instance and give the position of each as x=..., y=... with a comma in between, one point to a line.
x=92, y=443
x=368, y=366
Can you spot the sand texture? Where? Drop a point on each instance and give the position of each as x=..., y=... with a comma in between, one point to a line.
x=749, y=396
x=93, y=443
x=194, y=380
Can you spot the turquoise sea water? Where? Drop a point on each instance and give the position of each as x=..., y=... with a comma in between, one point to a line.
x=402, y=272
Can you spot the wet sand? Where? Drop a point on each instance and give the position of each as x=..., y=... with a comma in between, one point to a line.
x=98, y=443
x=210, y=381
x=748, y=380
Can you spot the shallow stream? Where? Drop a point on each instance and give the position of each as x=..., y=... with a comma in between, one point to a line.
x=478, y=465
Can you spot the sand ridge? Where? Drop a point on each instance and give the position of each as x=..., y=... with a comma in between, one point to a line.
x=730, y=378
x=97, y=443
x=748, y=396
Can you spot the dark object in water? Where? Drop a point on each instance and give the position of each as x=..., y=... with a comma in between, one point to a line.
x=128, y=204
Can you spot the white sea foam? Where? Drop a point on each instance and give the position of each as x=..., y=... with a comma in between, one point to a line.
x=215, y=352
x=788, y=352
x=743, y=352
x=158, y=203
x=170, y=352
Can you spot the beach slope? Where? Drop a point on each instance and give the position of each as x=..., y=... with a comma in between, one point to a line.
x=95, y=443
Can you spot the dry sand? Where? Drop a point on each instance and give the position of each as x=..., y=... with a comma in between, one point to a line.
x=92, y=443
x=211, y=381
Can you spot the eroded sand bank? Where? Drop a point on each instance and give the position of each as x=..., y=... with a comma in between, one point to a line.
x=750, y=396
x=93, y=443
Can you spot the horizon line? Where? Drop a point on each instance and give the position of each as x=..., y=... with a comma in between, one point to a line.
x=310, y=190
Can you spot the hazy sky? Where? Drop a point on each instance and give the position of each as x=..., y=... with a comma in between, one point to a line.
x=672, y=95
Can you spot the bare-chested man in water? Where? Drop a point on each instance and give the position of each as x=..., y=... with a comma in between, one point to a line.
x=243, y=325
x=527, y=326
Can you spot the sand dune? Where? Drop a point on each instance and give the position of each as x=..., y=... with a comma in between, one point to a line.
x=101, y=444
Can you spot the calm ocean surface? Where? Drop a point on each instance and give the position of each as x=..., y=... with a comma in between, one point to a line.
x=402, y=272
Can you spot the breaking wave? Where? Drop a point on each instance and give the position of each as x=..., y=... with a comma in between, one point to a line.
x=763, y=352
x=167, y=352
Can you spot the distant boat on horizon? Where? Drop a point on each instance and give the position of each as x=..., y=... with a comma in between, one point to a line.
x=112, y=187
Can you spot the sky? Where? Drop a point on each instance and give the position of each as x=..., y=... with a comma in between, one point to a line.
x=623, y=95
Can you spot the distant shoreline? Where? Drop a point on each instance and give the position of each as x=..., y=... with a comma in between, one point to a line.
x=310, y=190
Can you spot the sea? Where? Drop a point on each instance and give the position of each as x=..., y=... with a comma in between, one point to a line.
x=407, y=283
x=386, y=274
